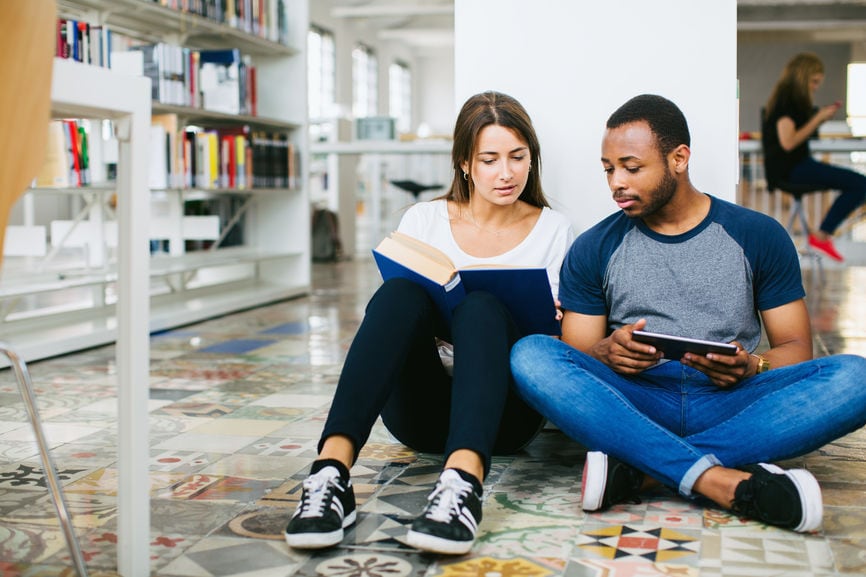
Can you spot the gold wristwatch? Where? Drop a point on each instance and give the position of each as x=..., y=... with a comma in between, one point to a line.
x=763, y=364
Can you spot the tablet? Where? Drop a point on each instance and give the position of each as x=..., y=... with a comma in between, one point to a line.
x=675, y=347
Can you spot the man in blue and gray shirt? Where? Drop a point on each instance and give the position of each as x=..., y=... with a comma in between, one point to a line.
x=678, y=261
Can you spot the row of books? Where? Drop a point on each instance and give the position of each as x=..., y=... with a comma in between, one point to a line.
x=217, y=80
x=67, y=158
x=263, y=18
x=83, y=42
x=232, y=157
x=227, y=157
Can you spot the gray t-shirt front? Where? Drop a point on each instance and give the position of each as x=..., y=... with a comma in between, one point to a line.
x=708, y=283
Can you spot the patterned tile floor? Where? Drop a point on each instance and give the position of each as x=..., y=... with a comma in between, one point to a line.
x=237, y=403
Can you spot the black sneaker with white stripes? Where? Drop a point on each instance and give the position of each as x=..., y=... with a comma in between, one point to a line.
x=450, y=520
x=327, y=507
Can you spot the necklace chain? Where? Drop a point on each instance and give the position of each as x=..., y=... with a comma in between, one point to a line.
x=497, y=232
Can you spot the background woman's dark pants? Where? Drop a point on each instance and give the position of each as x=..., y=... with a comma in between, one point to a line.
x=393, y=369
x=850, y=184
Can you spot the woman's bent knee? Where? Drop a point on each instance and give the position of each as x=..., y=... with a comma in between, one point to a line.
x=399, y=292
x=481, y=305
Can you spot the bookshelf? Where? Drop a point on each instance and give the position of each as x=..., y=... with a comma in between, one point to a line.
x=270, y=263
x=129, y=293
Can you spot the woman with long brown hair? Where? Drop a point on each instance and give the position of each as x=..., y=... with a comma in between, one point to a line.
x=495, y=213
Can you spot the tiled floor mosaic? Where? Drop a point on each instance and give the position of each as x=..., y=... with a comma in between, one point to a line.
x=236, y=406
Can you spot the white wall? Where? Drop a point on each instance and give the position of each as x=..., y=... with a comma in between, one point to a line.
x=434, y=92
x=571, y=64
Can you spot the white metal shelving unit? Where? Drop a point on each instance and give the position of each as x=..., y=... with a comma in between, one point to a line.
x=133, y=293
x=56, y=308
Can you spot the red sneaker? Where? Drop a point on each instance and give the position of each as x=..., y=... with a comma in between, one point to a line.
x=825, y=246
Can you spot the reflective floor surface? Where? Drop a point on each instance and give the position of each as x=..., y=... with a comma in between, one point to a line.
x=236, y=406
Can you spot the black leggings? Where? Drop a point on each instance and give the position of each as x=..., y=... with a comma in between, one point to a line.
x=393, y=369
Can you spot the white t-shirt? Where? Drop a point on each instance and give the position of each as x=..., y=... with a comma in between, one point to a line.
x=544, y=246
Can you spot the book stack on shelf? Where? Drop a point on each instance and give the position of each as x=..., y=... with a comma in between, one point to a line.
x=67, y=159
x=231, y=157
x=264, y=18
x=215, y=80
x=83, y=42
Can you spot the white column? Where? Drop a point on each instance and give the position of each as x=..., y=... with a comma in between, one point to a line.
x=571, y=64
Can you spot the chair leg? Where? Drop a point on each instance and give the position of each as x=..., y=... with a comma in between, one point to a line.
x=797, y=214
x=26, y=387
x=804, y=222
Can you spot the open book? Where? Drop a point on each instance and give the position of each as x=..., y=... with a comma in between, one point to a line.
x=524, y=291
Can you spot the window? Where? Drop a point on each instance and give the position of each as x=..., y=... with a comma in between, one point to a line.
x=400, y=95
x=365, y=71
x=321, y=79
x=854, y=101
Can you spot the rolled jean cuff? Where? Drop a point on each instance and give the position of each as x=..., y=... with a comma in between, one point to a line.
x=691, y=477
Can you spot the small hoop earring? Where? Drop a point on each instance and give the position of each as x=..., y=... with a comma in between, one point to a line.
x=465, y=176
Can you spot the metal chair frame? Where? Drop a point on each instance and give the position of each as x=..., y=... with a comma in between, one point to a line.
x=25, y=386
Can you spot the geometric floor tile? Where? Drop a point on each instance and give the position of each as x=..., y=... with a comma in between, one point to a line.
x=483, y=566
x=782, y=552
x=628, y=568
x=657, y=545
x=223, y=556
x=348, y=563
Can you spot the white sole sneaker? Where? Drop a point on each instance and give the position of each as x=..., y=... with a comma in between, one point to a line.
x=592, y=485
x=811, y=501
x=426, y=542
x=319, y=540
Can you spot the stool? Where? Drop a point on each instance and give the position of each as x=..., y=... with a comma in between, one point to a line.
x=798, y=213
x=414, y=188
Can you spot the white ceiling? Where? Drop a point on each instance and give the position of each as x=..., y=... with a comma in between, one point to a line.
x=430, y=23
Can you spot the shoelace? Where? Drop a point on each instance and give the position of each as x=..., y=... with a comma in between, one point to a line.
x=317, y=493
x=446, y=499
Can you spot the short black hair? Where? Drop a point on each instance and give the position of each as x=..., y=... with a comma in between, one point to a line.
x=665, y=119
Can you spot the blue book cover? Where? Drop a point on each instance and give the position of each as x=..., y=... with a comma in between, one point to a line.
x=525, y=292
x=225, y=57
x=445, y=296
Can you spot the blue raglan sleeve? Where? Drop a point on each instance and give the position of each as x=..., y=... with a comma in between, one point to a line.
x=775, y=264
x=581, y=285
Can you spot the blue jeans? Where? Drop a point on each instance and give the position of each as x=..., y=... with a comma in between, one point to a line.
x=673, y=424
x=850, y=184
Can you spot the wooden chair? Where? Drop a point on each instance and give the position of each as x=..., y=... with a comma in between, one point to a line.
x=26, y=56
